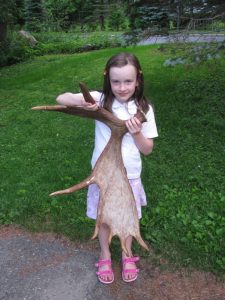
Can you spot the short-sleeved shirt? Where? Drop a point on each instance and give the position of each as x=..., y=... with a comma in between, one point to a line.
x=130, y=152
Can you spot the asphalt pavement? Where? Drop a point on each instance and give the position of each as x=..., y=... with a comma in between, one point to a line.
x=45, y=267
x=183, y=37
x=40, y=269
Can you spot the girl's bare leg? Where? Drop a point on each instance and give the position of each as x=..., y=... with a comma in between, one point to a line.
x=103, y=237
x=130, y=265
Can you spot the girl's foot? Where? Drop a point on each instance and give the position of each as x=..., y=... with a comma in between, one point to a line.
x=105, y=273
x=129, y=269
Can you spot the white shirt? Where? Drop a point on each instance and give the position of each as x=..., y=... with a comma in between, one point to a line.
x=130, y=153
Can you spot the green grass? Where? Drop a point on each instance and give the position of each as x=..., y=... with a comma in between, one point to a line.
x=184, y=176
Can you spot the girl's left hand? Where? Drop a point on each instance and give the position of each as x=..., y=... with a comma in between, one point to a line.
x=133, y=125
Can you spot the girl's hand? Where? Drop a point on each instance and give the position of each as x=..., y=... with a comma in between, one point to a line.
x=89, y=106
x=134, y=126
x=69, y=99
x=144, y=145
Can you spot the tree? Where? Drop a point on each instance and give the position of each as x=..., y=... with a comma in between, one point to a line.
x=149, y=14
x=117, y=18
x=34, y=14
x=19, y=18
x=213, y=8
x=145, y=14
x=6, y=8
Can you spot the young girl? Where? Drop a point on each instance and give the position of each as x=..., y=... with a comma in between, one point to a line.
x=122, y=94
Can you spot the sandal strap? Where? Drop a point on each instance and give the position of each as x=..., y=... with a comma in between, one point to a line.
x=103, y=262
x=131, y=271
x=105, y=272
x=130, y=259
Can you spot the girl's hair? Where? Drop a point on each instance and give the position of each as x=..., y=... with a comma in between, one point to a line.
x=121, y=60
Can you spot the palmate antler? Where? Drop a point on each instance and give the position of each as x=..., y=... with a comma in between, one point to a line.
x=117, y=207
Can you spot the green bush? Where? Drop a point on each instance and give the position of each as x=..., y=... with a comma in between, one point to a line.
x=192, y=53
x=74, y=42
x=16, y=49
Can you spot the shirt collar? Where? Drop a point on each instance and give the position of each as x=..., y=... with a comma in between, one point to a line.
x=130, y=106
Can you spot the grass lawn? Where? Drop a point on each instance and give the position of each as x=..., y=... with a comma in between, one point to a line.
x=184, y=176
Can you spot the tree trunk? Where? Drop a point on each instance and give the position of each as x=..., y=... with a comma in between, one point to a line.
x=3, y=30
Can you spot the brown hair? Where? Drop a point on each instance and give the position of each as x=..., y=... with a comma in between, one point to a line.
x=121, y=60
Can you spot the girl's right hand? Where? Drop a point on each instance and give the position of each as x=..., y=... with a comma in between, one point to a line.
x=69, y=99
x=91, y=107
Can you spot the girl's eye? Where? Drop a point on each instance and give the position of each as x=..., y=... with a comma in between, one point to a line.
x=118, y=82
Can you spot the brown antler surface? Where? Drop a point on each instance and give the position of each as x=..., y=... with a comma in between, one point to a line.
x=117, y=207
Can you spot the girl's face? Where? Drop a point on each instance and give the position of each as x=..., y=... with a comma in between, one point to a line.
x=123, y=82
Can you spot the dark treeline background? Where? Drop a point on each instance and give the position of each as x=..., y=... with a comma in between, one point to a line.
x=55, y=15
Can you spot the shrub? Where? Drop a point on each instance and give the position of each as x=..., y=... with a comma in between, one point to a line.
x=194, y=54
x=16, y=49
x=13, y=50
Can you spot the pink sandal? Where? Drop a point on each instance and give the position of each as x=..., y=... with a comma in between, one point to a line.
x=103, y=262
x=134, y=271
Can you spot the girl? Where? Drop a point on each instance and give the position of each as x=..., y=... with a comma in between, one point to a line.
x=122, y=94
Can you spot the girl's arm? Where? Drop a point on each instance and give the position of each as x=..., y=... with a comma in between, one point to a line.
x=145, y=145
x=69, y=99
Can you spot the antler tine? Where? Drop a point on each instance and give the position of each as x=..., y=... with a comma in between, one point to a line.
x=141, y=242
x=50, y=107
x=87, y=96
x=89, y=180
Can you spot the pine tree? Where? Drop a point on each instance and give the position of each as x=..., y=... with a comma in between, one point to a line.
x=34, y=14
x=6, y=9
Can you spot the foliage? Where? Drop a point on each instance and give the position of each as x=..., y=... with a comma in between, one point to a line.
x=19, y=14
x=142, y=17
x=65, y=14
x=188, y=54
x=6, y=9
x=160, y=16
x=34, y=15
x=61, y=13
x=149, y=16
x=93, y=15
x=117, y=19
x=183, y=177
x=15, y=49
x=78, y=42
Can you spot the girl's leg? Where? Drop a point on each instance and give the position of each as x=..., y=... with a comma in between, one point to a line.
x=103, y=237
x=130, y=265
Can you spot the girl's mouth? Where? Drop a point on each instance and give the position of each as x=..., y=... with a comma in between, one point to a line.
x=123, y=94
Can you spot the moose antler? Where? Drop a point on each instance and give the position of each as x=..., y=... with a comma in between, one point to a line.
x=117, y=207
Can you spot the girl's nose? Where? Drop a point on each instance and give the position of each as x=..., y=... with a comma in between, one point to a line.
x=122, y=86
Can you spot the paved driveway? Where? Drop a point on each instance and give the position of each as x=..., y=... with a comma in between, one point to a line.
x=158, y=39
